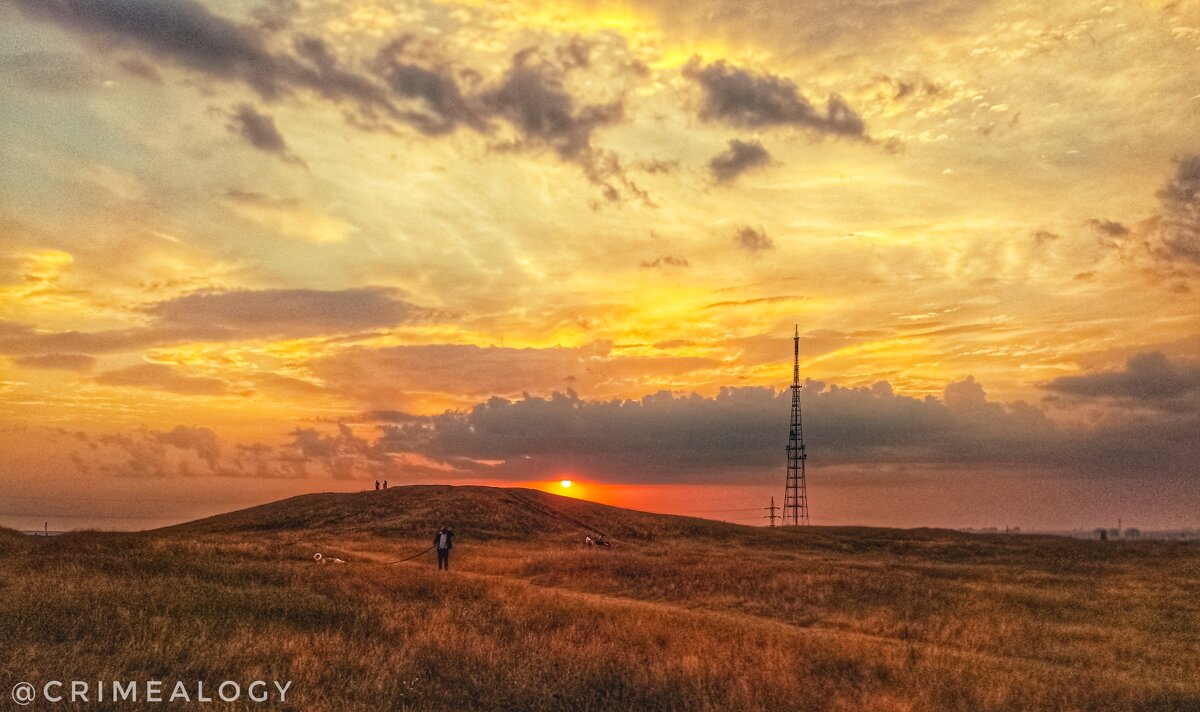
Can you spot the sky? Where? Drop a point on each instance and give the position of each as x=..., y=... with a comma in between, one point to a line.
x=255, y=249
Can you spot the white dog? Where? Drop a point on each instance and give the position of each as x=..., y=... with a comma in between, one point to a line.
x=322, y=560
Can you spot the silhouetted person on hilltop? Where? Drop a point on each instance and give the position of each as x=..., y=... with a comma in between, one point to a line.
x=385, y=484
x=376, y=485
x=444, y=541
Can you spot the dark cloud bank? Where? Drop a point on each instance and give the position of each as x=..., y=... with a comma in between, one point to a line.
x=668, y=438
x=1148, y=378
x=739, y=433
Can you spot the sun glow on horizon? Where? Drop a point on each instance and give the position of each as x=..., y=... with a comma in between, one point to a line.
x=566, y=484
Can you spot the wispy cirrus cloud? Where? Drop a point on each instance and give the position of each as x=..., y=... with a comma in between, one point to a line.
x=405, y=84
x=228, y=315
x=161, y=377
x=63, y=362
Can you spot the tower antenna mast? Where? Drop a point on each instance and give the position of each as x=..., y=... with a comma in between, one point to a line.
x=795, y=496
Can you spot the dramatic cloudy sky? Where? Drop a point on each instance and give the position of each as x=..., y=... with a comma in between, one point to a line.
x=256, y=248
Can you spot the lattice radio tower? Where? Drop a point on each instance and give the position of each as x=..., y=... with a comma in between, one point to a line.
x=795, y=496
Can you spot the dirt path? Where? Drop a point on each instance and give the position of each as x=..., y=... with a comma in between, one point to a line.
x=735, y=618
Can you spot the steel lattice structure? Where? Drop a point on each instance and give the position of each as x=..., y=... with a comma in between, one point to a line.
x=795, y=496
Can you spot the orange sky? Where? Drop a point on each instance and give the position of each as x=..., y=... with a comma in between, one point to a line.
x=258, y=248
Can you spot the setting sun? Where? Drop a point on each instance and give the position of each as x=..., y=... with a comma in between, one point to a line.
x=566, y=484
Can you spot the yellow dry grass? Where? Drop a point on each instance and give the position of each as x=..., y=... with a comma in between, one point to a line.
x=678, y=616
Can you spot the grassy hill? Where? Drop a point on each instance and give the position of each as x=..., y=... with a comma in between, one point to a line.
x=511, y=513
x=483, y=513
x=682, y=614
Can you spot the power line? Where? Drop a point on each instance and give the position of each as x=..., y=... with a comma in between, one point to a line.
x=714, y=511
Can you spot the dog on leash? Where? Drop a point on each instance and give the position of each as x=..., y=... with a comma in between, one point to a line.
x=322, y=560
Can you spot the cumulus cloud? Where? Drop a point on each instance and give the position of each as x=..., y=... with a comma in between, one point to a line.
x=752, y=239
x=1147, y=377
x=411, y=73
x=259, y=131
x=342, y=454
x=535, y=102
x=1167, y=243
x=158, y=376
x=202, y=441
x=533, y=98
x=1179, y=224
x=1109, y=228
x=744, y=99
x=741, y=156
x=186, y=450
x=1042, y=237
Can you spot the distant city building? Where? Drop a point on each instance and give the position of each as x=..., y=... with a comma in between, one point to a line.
x=1132, y=533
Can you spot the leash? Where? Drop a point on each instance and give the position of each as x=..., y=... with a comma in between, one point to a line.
x=401, y=561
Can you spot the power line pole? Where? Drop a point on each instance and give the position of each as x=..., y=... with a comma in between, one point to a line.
x=772, y=509
x=795, y=496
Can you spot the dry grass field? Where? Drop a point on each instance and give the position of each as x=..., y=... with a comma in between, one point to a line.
x=681, y=614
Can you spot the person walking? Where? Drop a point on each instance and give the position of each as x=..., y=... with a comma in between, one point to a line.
x=444, y=541
x=376, y=485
